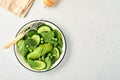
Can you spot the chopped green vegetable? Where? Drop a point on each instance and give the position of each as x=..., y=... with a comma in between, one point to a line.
x=21, y=47
x=43, y=57
x=36, y=64
x=47, y=36
x=53, y=38
x=47, y=47
x=42, y=42
x=60, y=49
x=59, y=37
x=41, y=39
x=48, y=62
x=43, y=29
x=56, y=39
x=56, y=53
x=36, y=38
x=20, y=42
x=53, y=59
x=39, y=51
x=35, y=54
x=53, y=42
x=30, y=33
x=31, y=43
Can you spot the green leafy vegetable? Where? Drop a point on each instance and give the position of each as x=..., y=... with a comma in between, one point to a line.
x=54, y=43
x=56, y=53
x=41, y=50
x=48, y=62
x=43, y=28
x=22, y=48
x=37, y=64
x=31, y=43
x=47, y=47
x=59, y=37
x=60, y=49
x=30, y=33
x=47, y=36
x=36, y=38
x=35, y=54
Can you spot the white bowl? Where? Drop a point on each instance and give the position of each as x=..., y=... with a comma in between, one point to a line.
x=20, y=57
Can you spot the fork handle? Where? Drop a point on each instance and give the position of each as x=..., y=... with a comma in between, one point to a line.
x=14, y=41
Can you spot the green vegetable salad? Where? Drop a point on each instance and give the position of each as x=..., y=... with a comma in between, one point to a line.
x=41, y=47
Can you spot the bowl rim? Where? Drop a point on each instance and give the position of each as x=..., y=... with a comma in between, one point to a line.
x=64, y=53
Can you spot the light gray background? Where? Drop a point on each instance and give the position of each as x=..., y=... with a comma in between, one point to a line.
x=92, y=31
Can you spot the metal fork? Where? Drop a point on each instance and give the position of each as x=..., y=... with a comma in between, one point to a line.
x=33, y=26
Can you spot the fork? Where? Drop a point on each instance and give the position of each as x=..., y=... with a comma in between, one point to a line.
x=33, y=26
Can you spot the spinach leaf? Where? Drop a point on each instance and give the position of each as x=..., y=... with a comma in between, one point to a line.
x=31, y=44
x=35, y=54
x=36, y=64
x=47, y=36
x=59, y=37
x=21, y=47
x=48, y=62
x=30, y=33
x=55, y=53
x=53, y=42
x=47, y=48
x=41, y=50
